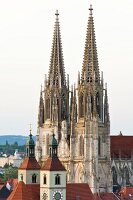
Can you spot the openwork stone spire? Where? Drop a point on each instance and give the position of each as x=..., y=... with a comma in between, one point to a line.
x=56, y=69
x=90, y=68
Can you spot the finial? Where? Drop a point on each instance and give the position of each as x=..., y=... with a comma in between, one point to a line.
x=30, y=131
x=56, y=14
x=53, y=135
x=91, y=9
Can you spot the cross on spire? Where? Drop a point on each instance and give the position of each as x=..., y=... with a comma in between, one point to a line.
x=91, y=9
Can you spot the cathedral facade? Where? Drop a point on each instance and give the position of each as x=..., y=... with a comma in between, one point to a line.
x=77, y=115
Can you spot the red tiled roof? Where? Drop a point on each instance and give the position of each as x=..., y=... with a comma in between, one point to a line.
x=108, y=196
x=97, y=197
x=34, y=190
x=53, y=164
x=81, y=190
x=20, y=192
x=127, y=192
x=25, y=192
x=29, y=164
x=121, y=145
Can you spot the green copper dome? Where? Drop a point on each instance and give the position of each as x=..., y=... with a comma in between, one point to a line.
x=30, y=147
x=30, y=141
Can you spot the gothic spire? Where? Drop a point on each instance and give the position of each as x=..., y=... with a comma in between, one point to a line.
x=90, y=68
x=56, y=70
x=41, y=110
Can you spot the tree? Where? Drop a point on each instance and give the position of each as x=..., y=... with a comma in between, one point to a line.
x=10, y=172
x=6, y=165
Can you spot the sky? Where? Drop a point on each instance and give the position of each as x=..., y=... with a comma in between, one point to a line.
x=26, y=31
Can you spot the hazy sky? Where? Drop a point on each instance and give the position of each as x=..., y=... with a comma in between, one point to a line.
x=26, y=31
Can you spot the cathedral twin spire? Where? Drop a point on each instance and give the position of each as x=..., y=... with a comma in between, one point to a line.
x=56, y=106
x=90, y=68
x=56, y=70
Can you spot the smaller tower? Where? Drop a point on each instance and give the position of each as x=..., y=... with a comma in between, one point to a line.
x=53, y=176
x=29, y=170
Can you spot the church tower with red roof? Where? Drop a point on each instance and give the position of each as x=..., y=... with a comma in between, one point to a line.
x=53, y=176
x=29, y=170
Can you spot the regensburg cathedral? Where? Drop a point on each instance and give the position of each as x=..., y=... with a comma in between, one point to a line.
x=77, y=115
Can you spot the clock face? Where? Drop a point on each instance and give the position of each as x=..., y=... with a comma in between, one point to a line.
x=57, y=195
x=45, y=196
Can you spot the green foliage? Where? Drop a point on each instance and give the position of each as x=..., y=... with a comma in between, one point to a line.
x=9, y=149
x=6, y=165
x=10, y=172
x=2, y=176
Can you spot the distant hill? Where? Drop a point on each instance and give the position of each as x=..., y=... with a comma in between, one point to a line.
x=21, y=140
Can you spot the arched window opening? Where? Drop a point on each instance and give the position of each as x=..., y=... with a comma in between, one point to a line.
x=81, y=145
x=27, y=152
x=48, y=108
x=99, y=146
x=92, y=104
x=126, y=175
x=81, y=106
x=98, y=104
x=114, y=176
x=34, y=178
x=21, y=177
x=44, y=179
x=57, y=179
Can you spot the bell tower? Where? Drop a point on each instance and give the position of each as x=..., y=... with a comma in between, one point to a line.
x=29, y=170
x=53, y=176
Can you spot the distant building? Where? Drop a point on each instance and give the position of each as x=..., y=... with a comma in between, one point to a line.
x=15, y=160
x=122, y=161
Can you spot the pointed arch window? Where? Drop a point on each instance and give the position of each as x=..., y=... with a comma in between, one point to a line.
x=81, y=106
x=114, y=172
x=98, y=104
x=27, y=152
x=126, y=176
x=34, y=177
x=48, y=108
x=57, y=180
x=21, y=177
x=92, y=104
x=45, y=179
x=81, y=145
x=99, y=146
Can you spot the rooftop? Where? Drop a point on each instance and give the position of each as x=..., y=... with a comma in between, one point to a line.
x=53, y=164
x=30, y=163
